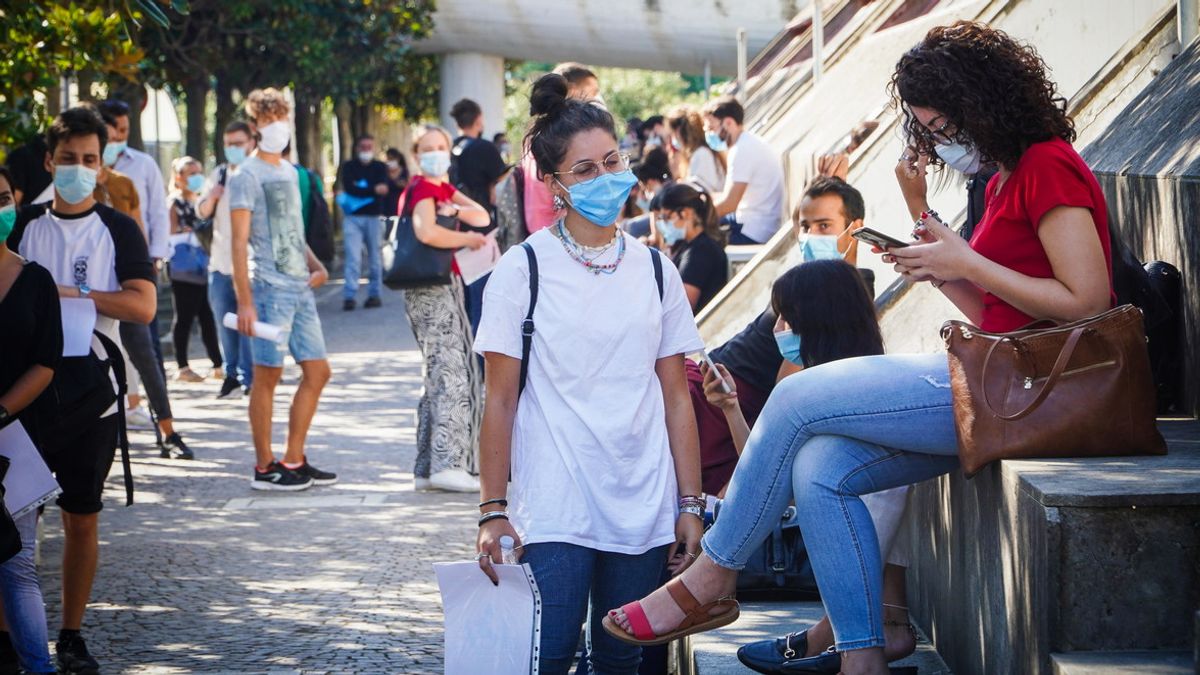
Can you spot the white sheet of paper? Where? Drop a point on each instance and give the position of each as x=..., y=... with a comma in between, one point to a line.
x=78, y=322
x=29, y=483
x=489, y=629
x=473, y=265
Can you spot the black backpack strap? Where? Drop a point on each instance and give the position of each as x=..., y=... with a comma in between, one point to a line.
x=656, y=259
x=527, y=324
x=117, y=363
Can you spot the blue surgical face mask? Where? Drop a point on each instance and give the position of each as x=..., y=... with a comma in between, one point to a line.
x=820, y=247
x=113, y=150
x=601, y=199
x=643, y=204
x=961, y=158
x=195, y=182
x=8, y=218
x=435, y=163
x=715, y=141
x=235, y=154
x=789, y=346
x=74, y=182
x=671, y=233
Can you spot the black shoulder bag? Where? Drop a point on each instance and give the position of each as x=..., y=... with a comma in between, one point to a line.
x=410, y=262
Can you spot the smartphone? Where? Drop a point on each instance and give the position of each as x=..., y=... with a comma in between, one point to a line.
x=877, y=239
x=725, y=386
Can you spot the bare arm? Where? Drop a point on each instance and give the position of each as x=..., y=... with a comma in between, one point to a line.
x=136, y=302
x=684, y=440
x=502, y=377
x=425, y=226
x=239, y=221
x=471, y=212
x=728, y=201
x=174, y=218
x=26, y=389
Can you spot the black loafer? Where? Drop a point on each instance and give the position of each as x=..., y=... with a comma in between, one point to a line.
x=770, y=656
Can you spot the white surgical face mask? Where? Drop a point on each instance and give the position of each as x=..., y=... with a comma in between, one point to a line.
x=961, y=158
x=275, y=137
x=366, y=156
x=435, y=163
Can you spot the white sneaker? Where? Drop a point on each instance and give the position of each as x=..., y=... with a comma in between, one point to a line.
x=454, y=480
x=139, y=418
x=422, y=484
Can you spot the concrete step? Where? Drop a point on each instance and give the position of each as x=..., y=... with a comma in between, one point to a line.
x=1159, y=662
x=715, y=652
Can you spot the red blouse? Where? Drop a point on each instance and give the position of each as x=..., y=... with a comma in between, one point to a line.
x=421, y=189
x=1048, y=175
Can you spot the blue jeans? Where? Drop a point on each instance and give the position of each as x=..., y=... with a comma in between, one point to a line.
x=235, y=347
x=295, y=311
x=357, y=230
x=568, y=577
x=827, y=436
x=24, y=608
x=736, y=237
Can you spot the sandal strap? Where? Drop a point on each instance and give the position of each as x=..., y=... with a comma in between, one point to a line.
x=638, y=621
x=682, y=596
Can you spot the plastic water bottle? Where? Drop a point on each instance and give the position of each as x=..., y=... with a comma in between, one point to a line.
x=508, y=554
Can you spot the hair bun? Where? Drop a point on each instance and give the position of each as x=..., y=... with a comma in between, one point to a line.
x=549, y=95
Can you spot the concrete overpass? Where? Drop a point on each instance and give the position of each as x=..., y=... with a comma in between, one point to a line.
x=475, y=36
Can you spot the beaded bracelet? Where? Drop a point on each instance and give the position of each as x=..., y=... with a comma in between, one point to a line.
x=501, y=502
x=492, y=515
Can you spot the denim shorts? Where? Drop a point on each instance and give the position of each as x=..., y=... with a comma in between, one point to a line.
x=296, y=312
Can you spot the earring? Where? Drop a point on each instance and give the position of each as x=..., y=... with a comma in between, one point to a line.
x=559, y=204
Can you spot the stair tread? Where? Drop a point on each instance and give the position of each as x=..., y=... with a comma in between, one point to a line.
x=1149, y=662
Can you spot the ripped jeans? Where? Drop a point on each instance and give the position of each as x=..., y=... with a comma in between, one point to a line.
x=827, y=436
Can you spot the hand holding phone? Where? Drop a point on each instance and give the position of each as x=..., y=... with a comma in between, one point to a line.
x=877, y=239
x=724, y=384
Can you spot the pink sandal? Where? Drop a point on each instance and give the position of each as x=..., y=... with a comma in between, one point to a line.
x=697, y=618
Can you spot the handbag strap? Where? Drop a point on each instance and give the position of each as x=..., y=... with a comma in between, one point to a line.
x=527, y=324
x=1060, y=365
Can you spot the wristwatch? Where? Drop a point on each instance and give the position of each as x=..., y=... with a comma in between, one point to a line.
x=84, y=290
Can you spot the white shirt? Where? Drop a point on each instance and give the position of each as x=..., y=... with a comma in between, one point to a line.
x=147, y=179
x=221, y=255
x=705, y=170
x=591, y=461
x=753, y=162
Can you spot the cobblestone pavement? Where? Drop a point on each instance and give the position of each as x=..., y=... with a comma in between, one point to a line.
x=205, y=575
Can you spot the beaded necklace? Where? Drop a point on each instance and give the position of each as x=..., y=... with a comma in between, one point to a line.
x=576, y=251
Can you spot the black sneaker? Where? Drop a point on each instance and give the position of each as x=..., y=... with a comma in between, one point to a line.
x=73, y=656
x=349, y=305
x=229, y=387
x=173, y=446
x=372, y=303
x=318, y=476
x=279, y=477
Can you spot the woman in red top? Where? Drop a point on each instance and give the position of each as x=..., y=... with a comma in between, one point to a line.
x=448, y=415
x=830, y=434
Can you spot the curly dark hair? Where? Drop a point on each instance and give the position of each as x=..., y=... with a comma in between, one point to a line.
x=993, y=91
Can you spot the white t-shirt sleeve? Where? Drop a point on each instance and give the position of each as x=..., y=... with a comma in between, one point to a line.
x=741, y=165
x=705, y=170
x=505, y=303
x=679, y=333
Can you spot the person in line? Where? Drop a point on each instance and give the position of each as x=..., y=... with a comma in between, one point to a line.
x=264, y=211
x=398, y=177
x=500, y=140
x=362, y=185
x=235, y=347
x=687, y=223
x=752, y=201
x=115, y=189
x=449, y=410
x=189, y=288
x=539, y=203
x=825, y=313
x=1042, y=251
x=96, y=253
x=692, y=159
x=140, y=341
x=32, y=343
x=27, y=166
x=602, y=458
x=476, y=166
x=653, y=173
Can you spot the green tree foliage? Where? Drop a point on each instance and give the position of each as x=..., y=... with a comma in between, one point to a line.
x=42, y=41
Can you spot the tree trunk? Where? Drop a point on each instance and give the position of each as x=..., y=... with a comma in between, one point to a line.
x=345, y=133
x=225, y=114
x=53, y=101
x=85, y=78
x=308, y=131
x=196, y=92
x=362, y=119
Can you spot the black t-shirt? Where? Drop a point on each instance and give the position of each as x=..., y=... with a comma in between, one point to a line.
x=391, y=204
x=32, y=335
x=477, y=165
x=752, y=354
x=702, y=263
x=28, y=167
x=359, y=180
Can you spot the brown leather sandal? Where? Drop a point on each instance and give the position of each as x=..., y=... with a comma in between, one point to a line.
x=697, y=618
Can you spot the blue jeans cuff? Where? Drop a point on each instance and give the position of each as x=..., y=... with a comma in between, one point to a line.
x=851, y=645
x=719, y=559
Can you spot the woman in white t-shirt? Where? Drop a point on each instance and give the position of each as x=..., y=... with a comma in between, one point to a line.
x=697, y=162
x=600, y=442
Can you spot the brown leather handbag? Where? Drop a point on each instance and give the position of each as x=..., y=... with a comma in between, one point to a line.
x=1081, y=389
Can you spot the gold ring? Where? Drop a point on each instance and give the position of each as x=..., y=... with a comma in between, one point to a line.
x=693, y=556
